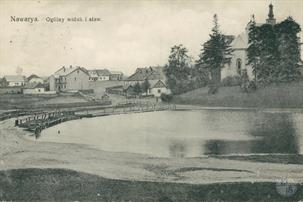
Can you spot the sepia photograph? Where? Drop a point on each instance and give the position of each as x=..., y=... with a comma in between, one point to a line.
x=152, y=100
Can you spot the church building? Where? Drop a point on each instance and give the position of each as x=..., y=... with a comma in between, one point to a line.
x=240, y=45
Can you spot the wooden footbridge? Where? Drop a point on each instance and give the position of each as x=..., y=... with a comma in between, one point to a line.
x=37, y=122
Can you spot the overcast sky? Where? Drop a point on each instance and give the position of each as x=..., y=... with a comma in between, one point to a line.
x=131, y=34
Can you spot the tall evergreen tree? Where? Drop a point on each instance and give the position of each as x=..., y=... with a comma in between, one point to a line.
x=253, y=50
x=268, y=54
x=178, y=69
x=289, y=49
x=215, y=53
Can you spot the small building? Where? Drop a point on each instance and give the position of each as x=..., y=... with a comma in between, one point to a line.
x=99, y=75
x=34, y=79
x=155, y=77
x=152, y=74
x=158, y=89
x=34, y=88
x=116, y=76
x=13, y=80
x=71, y=78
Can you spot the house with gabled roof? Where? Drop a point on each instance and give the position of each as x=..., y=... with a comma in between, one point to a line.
x=116, y=76
x=99, y=75
x=33, y=88
x=70, y=78
x=154, y=75
x=34, y=79
x=159, y=88
x=13, y=80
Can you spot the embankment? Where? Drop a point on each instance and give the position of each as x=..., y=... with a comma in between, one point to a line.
x=273, y=96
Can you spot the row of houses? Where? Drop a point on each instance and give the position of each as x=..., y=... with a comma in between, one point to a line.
x=74, y=78
x=14, y=84
x=19, y=80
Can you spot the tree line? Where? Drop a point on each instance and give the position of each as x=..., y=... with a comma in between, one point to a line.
x=274, y=51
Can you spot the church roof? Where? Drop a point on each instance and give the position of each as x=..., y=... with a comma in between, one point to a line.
x=240, y=42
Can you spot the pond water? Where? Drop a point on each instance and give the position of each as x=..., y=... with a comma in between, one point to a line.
x=186, y=133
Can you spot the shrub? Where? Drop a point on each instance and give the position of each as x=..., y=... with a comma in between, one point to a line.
x=252, y=86
x=231, y=81
x=166, y=97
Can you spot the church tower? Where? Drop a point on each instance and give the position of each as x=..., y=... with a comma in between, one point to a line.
x=271, y=20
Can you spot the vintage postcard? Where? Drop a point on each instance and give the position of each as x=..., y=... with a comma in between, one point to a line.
x=175, y=100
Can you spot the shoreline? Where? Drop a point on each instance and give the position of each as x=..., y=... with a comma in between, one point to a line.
x=20, y=152
x=262, y=109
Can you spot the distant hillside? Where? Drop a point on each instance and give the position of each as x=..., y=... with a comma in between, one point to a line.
x=276, y=95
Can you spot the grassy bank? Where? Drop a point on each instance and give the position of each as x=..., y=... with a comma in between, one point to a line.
x=273, y=96
x=61, y=184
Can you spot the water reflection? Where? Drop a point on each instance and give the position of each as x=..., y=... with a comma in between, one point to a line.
x=274, y=133
x=177, y=149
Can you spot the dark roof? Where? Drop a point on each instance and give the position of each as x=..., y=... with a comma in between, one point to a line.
x=34, y=85
x=150, y=73
x=64, y=71
x=103, y=72
x=32, y=76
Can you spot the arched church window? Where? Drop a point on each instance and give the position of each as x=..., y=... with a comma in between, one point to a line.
x=239, y=65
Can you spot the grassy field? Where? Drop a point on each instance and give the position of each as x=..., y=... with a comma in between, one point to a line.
x=11, y=101
x=276, y=96
x=68, y=185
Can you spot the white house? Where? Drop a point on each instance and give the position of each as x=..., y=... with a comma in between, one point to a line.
x=69, y=79
x=99, y=75
x=13, y=80
x=34, y=79
x=158, y=89
x=33, y=88
x=116, y=76
x=154, y=75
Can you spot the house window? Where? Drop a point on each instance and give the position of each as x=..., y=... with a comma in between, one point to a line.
x=39, y=90
x=77, y=71
x=159, y=90
x=239, y=65
x=75, y=79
